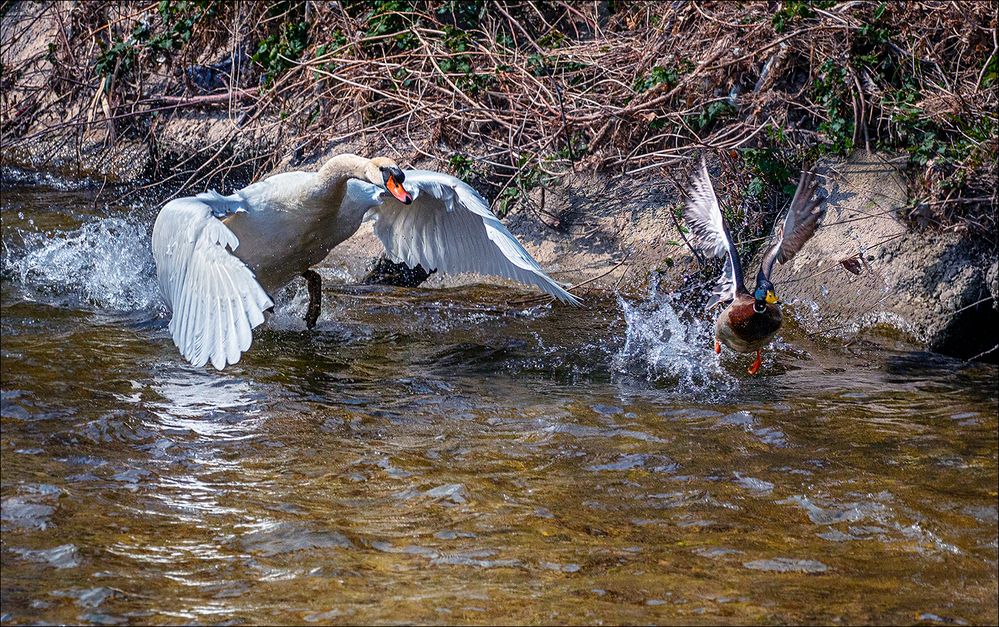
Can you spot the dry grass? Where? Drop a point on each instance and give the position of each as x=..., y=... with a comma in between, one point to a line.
x=514, y=93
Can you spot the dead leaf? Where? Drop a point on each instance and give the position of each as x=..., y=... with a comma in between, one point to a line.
x=853, y=264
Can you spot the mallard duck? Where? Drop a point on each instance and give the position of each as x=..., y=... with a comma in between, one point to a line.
x=751, y=319
x=220, y=259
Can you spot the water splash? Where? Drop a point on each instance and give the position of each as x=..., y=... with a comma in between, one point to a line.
x=12, y=176
x=106, y=264
x=662, y=345
x=290, y=305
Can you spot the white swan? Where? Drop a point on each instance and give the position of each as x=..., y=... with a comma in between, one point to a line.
x=278, y=228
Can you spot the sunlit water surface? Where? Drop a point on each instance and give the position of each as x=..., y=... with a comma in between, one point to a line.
x=444, y=456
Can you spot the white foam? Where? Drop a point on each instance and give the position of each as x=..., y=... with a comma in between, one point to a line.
x=106, y=264
x=660, y=345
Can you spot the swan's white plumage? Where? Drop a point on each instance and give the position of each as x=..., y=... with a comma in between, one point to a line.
x=215, y=299
x=449, y=228
x=289, y=222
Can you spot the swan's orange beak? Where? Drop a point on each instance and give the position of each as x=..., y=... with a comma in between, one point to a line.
x=398, y=191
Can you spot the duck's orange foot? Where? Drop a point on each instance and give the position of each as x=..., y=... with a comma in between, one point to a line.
x=718, y=347
x=756, y=364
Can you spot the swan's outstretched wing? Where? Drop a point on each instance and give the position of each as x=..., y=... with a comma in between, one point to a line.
x=215, y=299
x=707, y=227
x=449, y=228
x=803, y=218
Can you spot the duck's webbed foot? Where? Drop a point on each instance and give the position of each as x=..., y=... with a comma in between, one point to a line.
x=718, y=347
x=315, y=283
x=756, y=364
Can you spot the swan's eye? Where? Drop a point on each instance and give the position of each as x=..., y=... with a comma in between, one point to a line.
x=394, y=186
x=391, y=172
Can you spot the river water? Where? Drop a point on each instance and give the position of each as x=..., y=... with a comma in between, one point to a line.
x=443, y=456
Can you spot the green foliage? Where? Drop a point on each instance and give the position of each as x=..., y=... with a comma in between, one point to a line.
x=465, y=13
x=947, y=141
x=120, y=55
x=179, y=19
x=505, y=40
x=336, y=42
x=925, y=139
x=576, y=145
x=551, y=40
x=710, y=114
x=402, y=77
x=831, y=92
x=537, y=64
x=529, y=178
x=279, y=51
x=543, y=66
x=990, y=72
x=458, y=42
x=385, y=17
x=463, y=167
x=871, y=46
x=797, y=9
x=771, y=168
x=658, y=76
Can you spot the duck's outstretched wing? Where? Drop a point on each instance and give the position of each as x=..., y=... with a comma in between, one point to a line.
x=449, y=228
x=803, y=218
x=215, y=299
x=707, y=227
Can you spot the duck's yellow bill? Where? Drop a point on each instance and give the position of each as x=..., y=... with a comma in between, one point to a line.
x=771, y=297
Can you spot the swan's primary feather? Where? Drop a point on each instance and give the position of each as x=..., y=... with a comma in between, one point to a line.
x=215, y=299
x=449, y=228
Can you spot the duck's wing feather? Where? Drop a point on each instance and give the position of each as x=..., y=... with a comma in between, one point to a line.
x=802, y=220
x=215, y=299
x=449, y=228
x=703, y=217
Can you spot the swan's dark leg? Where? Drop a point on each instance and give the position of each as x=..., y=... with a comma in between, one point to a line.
x=315, y=283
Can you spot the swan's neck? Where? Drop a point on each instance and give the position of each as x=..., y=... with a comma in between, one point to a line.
x=331, y=184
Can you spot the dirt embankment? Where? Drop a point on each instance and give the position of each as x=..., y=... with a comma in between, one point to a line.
x=591, y=195
x=867, y=270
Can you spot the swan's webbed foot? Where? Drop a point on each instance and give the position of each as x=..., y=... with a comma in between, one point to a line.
x=315, y=283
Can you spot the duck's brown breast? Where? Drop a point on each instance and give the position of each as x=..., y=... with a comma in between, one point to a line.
x=742, y=329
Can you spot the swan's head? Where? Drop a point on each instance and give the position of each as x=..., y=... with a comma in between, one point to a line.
x=383, y=172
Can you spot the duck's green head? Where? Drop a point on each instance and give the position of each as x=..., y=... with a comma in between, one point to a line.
x=763, y=294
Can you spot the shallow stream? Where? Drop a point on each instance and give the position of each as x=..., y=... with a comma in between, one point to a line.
x=442, y=456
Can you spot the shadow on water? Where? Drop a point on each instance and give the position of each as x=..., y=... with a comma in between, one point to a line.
x=440, y=456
